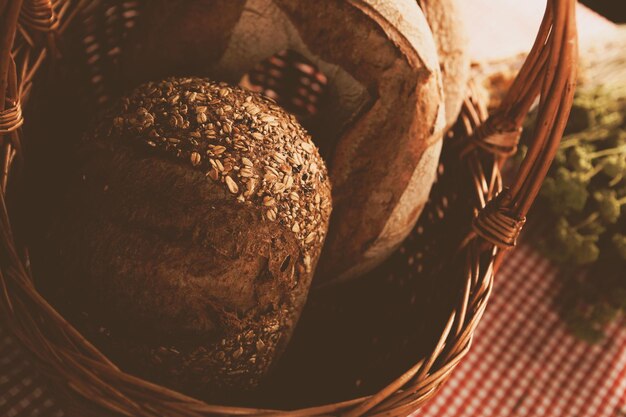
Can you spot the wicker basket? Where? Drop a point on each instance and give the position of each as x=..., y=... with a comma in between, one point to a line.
x=455, y=249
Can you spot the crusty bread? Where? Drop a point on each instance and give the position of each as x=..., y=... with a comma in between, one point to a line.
x=382, y=122
x=191, y=234
x=447, y=22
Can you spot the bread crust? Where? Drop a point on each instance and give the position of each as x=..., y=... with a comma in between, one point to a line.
x=386, y=88
x=196, y=278
x=446, y=20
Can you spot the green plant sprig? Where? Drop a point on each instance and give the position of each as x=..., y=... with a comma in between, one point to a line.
x=585, y=192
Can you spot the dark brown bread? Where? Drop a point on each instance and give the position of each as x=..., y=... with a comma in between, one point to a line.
x=382, y=122
x=191, y=234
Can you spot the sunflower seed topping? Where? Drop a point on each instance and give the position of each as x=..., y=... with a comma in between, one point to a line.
x=195, y=159
x=268, y=201
x=241, y=141
x=232, y=185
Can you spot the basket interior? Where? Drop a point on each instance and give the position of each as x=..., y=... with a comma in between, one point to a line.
x=352, y=339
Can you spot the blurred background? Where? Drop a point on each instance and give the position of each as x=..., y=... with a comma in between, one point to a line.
x=614, y=10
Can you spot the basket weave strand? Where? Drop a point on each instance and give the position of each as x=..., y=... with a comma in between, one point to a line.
x=39, y=15
x=92, y=385
x=11, y=118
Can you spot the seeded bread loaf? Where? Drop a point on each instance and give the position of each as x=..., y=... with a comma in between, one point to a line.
x=190, y=237
x=380, y=126
x=447, y=22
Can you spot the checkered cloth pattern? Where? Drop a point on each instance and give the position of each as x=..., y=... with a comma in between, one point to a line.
x=523, y=362
x=22, y=392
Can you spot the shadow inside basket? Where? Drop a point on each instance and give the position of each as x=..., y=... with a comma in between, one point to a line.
x=352, y=339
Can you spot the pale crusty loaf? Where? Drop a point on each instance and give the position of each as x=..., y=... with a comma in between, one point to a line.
x=382, y=122
x=447, y=22
x=191, y=234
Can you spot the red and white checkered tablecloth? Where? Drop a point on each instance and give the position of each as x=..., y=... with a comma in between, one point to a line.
x=523, y=362
x=22, y=392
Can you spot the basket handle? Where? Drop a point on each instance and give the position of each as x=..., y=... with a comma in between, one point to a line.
x=549, y=72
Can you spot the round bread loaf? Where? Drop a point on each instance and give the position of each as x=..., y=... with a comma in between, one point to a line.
x=447, y=22
x=190, y=237
x=380, y=126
